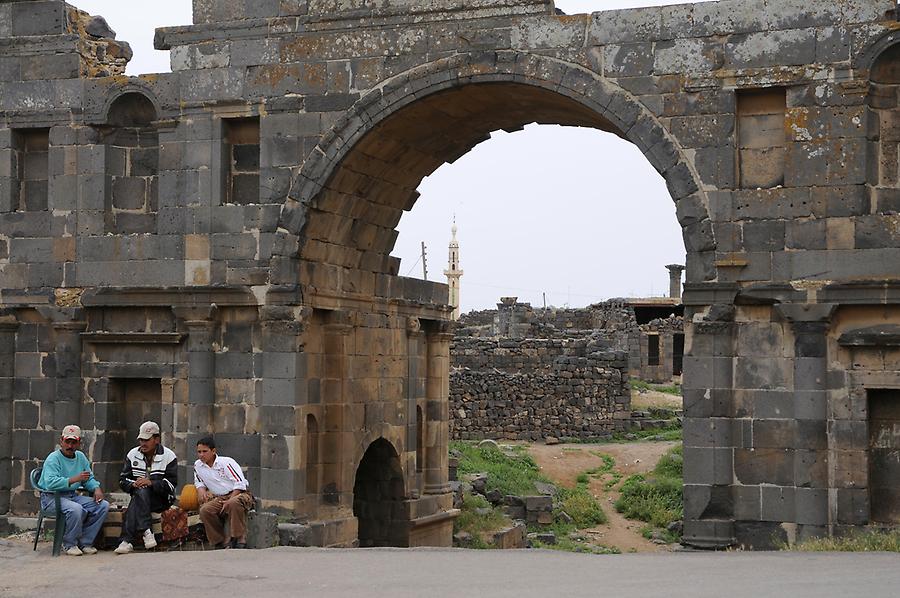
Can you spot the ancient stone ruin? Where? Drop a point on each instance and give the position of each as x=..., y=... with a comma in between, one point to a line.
x=524, y=374
x=211, y=247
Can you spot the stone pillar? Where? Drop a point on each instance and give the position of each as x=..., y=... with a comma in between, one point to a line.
x=437, y=410
x=201, y=379
x=415, y=397
x=815, y=506
x=337, y=479
x=69, y=387
x=8, y=327
x=708, y=447
x=675, y=271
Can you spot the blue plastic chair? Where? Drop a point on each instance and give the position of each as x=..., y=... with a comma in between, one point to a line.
x=56, y=514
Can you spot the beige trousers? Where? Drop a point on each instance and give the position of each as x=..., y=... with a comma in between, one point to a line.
x=213, y=516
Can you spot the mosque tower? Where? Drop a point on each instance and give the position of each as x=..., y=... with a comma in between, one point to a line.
x=453, y=273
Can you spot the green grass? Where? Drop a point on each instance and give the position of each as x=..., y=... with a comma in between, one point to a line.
x=581, y=506
x=857, y=542
x=479, y=524
x=509, y=474
x=655, y=499
x=668, y=434
x=669, y=389
x=513, y=471
x=566, y=544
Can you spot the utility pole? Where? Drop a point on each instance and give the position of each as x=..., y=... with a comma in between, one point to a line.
x=545, y=300
x=424, y=263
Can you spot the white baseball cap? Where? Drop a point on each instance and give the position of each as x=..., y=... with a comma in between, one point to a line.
x=70, y=432
x=148, y=430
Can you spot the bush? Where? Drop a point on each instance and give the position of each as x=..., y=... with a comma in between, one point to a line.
x=581, y=506
x=656, y=500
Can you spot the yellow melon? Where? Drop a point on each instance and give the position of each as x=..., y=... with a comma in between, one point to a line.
x=189, y=501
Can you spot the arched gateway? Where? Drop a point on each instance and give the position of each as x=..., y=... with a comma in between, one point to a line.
x=227, y=265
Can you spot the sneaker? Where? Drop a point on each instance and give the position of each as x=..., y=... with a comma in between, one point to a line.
x=149, y=540
x=88, y=550
x=74, y=551
x=124, y=548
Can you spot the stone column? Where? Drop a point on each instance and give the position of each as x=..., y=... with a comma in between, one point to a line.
x=675, y=271
x=8, y=327
x=201, y=378
x=437, y=410
x=337, y=480
x=69, y=387
x=708, y=446
x=415, y=390
x=814, y=509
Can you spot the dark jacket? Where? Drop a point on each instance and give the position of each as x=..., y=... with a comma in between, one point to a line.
x=163, y=472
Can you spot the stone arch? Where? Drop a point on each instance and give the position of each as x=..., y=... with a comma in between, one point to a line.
x=130, y=135
x=345, y=203
x=883, y=128
x=379, y=490
x=100, y=115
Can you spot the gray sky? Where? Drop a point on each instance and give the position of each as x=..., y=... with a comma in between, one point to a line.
x=575, y=213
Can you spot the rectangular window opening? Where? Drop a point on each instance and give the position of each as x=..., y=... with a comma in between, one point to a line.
x=677, y=354
x=241, y=160
x=32, y=149
x=652, y=349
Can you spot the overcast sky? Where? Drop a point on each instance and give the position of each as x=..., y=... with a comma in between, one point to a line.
x=576, y=214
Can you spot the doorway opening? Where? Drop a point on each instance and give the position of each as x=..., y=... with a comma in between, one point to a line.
x=378, y=496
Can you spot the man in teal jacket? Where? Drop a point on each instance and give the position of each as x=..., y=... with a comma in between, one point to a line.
x=65, y=471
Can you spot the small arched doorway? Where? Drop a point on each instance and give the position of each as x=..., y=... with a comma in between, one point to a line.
x=378, y=496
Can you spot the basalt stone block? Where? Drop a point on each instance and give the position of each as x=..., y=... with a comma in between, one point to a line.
x=759, y=535
x=274, y=447
x=262, y=530
x=778, y=503
x=38, y=18
x=280, y=484
x=763, y=466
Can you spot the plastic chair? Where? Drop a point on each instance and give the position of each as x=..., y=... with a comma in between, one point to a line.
x=56, y=515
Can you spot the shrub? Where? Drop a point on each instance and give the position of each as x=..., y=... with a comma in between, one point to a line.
x=657, y=499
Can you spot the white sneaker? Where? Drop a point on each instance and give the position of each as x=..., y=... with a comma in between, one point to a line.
x=149, y=540
x=124, y=548
x=74, y=551
x=88, y=550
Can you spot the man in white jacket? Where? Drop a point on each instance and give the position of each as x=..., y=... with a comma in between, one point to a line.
x=223, y=493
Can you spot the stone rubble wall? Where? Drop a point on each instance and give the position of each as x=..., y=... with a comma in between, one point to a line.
x=536, y=388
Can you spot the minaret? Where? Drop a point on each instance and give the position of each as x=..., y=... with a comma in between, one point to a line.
x=453, y=273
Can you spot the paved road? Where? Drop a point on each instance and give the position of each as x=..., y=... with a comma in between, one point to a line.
x=434, y=573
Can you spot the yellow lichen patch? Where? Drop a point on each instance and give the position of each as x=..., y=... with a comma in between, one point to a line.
x=68, y=297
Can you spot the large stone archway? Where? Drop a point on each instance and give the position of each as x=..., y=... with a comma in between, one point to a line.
x=258, y=288
x=360, y=179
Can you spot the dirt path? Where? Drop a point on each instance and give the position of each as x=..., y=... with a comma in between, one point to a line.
x=562, y=463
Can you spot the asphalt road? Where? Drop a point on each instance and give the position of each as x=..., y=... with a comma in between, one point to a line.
x=433, y=573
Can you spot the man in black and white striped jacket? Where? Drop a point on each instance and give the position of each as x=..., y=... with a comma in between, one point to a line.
x=150, y=476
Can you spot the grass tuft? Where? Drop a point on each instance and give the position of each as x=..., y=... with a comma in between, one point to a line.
x=656, y=500
x=888, y=541
x=510, y=472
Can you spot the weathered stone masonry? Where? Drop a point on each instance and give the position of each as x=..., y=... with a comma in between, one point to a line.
x=273, y=315
x=531, y=389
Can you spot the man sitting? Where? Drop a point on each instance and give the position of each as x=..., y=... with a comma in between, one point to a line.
x=150, y=476
x=65, y=471
x=222, y=490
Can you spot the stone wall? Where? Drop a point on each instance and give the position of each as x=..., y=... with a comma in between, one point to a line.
x=536, y=388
